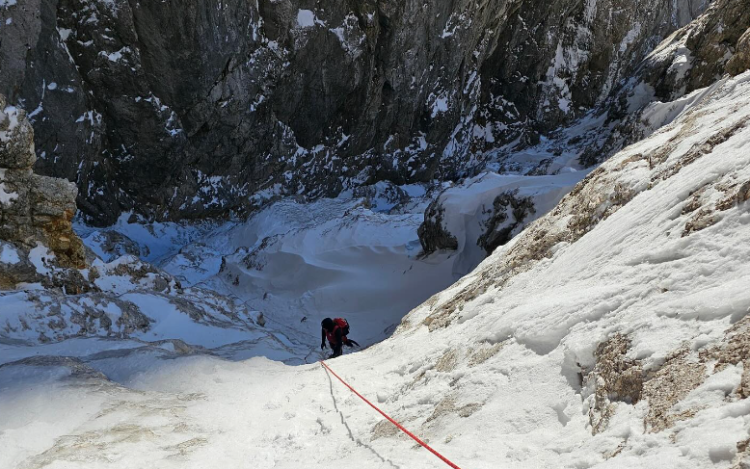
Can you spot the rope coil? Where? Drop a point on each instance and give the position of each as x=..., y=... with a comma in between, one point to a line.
x=398, y=425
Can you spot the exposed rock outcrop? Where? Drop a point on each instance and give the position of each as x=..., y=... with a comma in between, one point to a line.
x=702, y=52
x=499, y=222
x=432, y=233
x=35, y=211
x=615, y=378
x=482, y=213
x=506, y=218
x=695, y=56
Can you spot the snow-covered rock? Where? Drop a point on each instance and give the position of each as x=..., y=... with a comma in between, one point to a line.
x=487, y=211
x=35, y=212
x=612, y=332
x=608, y=330
x=356, y=256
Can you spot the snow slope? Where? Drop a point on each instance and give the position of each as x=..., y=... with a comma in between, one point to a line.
x=612, y=333
x=330, y=258
x=357, y=255
x=260, y=287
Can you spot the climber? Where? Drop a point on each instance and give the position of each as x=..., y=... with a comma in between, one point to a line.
x=335, y=330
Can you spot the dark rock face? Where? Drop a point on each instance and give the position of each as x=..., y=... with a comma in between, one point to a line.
x=507, y=216
x=433, y=236
x=702, y=52
x=559, y=59
x=186, y=109
x=696, y=56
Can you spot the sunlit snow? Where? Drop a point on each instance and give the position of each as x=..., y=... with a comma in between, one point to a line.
x=491, y=369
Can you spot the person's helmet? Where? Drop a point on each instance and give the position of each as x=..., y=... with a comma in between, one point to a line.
x=327, y=324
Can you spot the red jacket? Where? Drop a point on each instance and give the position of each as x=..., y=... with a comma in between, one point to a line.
x=338, y=334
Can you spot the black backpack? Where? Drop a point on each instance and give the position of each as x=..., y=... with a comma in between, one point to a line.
x=344, y=327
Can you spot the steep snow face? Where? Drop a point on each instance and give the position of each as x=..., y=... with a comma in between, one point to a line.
x=261, y=287
x=612, y=332
x=611, y=327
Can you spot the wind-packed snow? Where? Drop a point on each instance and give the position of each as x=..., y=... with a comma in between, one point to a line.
x=505, y=368
x=40, y=257
x=658, y=114
x=305, y=19
x=8, y=254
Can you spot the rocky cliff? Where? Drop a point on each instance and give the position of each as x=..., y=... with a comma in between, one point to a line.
x=36, y=234
x=82, y=295
x=187, y=109
x=695, y=57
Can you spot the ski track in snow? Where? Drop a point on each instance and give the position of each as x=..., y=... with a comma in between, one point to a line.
x=498, y=377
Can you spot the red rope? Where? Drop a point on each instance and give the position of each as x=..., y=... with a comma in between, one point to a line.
x=400, y=427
